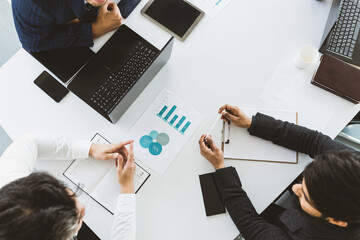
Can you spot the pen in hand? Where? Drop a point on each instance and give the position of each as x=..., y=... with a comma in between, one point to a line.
x=213, y=126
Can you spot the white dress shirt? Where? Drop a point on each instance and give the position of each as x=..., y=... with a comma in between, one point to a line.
x=19, y=161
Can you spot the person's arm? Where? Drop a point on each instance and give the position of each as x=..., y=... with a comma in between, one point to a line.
x=80, y=34
x=19, y=159
x=124, y=225
x=63, y=36
x=39, y=30
x=250, y=224
x=292, y=136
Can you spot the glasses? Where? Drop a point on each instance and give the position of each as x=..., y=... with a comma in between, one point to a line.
x=79, y=189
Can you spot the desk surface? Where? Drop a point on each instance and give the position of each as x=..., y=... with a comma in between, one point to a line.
x=227, y=59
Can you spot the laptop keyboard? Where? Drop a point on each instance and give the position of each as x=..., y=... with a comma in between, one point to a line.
x=119, y=83
x=343, y=37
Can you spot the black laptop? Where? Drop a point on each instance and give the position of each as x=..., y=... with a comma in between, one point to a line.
x=115, y=76
x=341, y=36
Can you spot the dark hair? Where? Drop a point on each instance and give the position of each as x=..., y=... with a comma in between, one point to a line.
x=333, y=183
x=36, y=207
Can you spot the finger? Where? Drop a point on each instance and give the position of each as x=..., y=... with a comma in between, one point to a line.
x=211, y=143
x=117, y=146
x=203, y=147
x=222, y=108
x=228, y=108
x=120, y=161
x=202, y=139
x=131, y=158
x=229, y=116
x=104, y=7
x=109, y=156
x=116, y=10
x=124, y=153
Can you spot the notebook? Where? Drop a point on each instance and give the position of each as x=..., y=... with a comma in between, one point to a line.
x=98, y=178
x=338, y=77
x=237, y=143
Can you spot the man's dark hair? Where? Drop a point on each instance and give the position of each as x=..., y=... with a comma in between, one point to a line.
x=333, y=183
x=36, y=207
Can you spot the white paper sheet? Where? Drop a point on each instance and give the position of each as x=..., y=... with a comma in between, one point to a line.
x=211, y=7
x=163, y=130
x=291, y=88
x=244, y=146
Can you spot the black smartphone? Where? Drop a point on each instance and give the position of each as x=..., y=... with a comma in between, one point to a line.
x=51, y=86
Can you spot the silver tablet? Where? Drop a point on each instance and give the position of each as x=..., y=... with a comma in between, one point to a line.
x=178, y=17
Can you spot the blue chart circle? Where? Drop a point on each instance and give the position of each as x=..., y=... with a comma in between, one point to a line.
x=154, y=134
x=155, y=148
x=146, y=141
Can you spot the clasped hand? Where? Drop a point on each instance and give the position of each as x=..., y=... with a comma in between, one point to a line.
x=108, y=19
x=125, y=161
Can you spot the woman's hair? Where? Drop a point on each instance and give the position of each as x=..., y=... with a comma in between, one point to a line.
x=333, y=183
x=37, y=207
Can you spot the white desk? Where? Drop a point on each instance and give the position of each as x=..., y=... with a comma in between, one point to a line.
x=227, y=59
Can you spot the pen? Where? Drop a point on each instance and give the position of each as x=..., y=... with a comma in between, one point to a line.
x=214, y=124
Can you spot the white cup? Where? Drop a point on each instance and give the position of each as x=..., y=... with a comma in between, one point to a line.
x=306, y=56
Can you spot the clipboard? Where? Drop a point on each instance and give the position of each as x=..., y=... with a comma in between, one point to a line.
x=238, y=144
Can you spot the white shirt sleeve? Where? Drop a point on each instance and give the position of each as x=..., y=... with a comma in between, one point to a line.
x=124, y=225
x=20, y=157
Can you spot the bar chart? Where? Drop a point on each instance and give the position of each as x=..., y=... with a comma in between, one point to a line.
x=170, y=117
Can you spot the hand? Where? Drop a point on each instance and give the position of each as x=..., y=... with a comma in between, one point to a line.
x=108, y=19
x=211, y=152
x=235, y=115
x=126, y=171
x=109, y=151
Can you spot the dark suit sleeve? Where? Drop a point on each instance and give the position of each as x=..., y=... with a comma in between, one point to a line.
x=250, y=224
x=65, y=36
x=292, y=136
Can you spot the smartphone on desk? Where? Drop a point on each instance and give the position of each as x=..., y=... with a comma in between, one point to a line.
x=51, y=86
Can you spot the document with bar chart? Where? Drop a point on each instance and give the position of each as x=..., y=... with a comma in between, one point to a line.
x=163, y=130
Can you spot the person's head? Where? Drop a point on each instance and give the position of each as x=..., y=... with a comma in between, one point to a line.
x=38, y=207
x=96, y=3
x=331, y=188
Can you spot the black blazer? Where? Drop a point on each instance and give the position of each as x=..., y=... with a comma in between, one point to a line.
x=294, y=224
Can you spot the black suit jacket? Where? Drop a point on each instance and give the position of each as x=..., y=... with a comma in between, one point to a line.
x=294, y=224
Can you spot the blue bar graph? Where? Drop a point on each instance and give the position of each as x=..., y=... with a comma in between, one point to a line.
x=162, y=111
x=173, y=120
x=169, y=113
x=185, y=127
x=180, y=122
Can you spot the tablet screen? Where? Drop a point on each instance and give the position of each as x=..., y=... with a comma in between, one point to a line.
x=176, y=15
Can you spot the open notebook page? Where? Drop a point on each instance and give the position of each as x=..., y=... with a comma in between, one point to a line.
x=108, y=189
